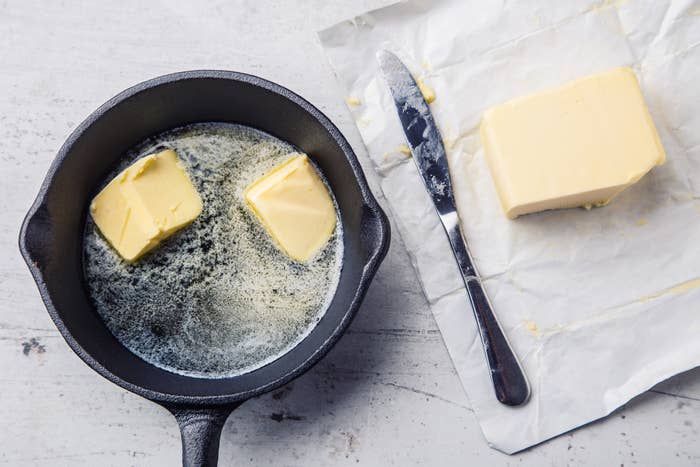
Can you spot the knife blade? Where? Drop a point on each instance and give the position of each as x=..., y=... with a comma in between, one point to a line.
x=428, y=151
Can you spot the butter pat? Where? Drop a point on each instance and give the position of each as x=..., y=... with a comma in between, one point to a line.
x=576, y=145
x=295, y=207
x=144, y=204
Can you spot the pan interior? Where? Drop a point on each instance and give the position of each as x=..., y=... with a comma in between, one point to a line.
x=217, y=299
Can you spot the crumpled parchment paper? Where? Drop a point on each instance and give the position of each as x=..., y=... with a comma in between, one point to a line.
x=599, y=305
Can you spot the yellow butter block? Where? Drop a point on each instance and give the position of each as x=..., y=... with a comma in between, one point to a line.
x=576, y=145
x=146, y=203
x=294, y=206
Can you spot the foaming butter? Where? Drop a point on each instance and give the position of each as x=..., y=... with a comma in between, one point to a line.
x=145, y=203
x=293, y=203
x=222, y=299
x=576, y=145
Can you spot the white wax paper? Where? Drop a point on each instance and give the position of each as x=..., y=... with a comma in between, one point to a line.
x=599, y=305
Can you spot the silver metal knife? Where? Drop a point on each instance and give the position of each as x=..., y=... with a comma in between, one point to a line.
x=425, y=142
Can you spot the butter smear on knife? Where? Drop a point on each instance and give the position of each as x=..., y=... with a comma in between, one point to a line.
x=576, y=145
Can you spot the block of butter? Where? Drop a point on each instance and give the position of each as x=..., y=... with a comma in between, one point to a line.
x=144, y=204
x=295, y=207
x=575, y=145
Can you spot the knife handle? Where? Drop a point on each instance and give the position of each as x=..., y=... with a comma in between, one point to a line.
x=507, y=376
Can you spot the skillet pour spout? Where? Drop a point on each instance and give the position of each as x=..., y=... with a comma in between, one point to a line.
x=51, y=238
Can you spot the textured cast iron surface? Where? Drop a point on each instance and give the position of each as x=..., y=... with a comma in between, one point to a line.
x=52, y=233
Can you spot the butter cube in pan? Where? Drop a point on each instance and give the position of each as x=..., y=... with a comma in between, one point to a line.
x=146, y=203
x=295, y=207
x=576, y=145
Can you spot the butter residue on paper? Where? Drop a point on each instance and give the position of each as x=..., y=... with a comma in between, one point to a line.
x=403, y=149
x=676, y=289
x=576, y=145
x=607, y=4
x=145, y=203
x=396, y=156
x=352, y=101
x=295, y=207
x=532, y=327
x=427, y=91
x=597, y=204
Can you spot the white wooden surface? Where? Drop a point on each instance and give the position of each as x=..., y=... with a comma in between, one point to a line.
x=386, y=395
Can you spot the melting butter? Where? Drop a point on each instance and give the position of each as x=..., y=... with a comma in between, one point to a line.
x=295, y=207
x=146, y=203
x=220, y=299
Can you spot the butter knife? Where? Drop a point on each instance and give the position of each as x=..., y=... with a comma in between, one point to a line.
x=424, y=139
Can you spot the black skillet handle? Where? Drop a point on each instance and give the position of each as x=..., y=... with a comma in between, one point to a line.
x=200, y=429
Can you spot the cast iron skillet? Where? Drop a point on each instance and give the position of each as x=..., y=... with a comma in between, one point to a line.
x=51, y=239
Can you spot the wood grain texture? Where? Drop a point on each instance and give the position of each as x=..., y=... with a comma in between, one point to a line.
x=386, y=394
